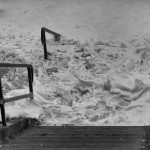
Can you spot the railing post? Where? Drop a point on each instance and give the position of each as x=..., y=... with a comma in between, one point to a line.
x=43, y=40
x=2, y=105
x=30, y=78
x=45, y=51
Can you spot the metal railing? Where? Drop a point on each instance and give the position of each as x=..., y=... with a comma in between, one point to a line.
x=3, y=101
x=43, y=39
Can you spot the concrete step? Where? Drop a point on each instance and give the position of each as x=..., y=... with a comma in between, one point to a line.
x=66, y=142
x=123, y=148
x=106, y=145
x=88, y=130
x=77, y=140
x=78, y=136
x=73, y=137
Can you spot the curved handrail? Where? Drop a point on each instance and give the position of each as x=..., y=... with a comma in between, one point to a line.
x=43, y=39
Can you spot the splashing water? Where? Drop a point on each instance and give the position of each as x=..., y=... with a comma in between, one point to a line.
x=91, y=83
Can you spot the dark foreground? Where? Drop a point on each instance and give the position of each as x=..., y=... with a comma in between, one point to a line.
x=24, y=135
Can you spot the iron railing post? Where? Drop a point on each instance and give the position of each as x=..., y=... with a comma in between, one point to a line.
x=2, y=104
x=30, y=78
x=43, y=39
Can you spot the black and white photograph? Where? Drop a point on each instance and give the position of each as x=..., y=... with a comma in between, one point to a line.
x=74, y=74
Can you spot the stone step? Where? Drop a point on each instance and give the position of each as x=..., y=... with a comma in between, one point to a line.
x=123, y=148
x=87, y=130
x=105, y=145
x=66, y=142
x=76, y=137
x=81, y=136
